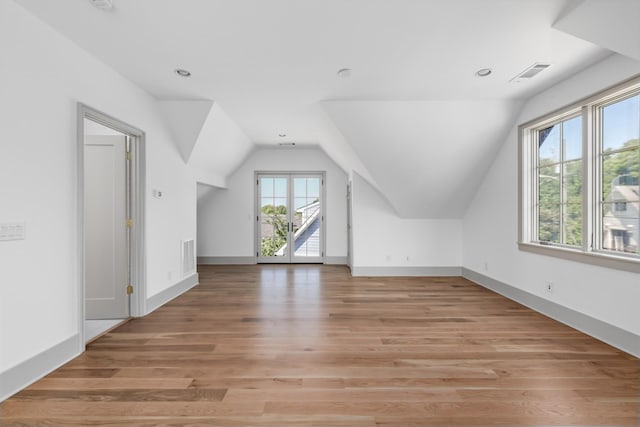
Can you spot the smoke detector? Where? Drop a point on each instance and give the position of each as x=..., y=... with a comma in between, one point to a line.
x=102, y=4
x=530, y=72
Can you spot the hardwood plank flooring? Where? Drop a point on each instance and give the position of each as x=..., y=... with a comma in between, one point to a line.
x=309, y=345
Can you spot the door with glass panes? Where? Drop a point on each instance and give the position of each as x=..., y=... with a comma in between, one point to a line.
x=290, y=217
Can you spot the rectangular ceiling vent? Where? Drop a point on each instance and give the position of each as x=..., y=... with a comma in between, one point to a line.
x=102, y=4
x=530, y=72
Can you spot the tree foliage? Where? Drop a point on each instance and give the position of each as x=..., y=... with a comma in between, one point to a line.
x=556, y=198
x=276, y=216
x=621, y=163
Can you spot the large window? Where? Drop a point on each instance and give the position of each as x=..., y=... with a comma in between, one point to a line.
x=579, y=180
x=559, y=182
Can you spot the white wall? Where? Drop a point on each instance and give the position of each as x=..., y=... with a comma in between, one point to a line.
x=490, y=225
x=226, y=218
x=42, y=78
x=382, y=239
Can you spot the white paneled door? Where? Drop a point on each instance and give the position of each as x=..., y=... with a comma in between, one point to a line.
x=290, y=217
x=105, y=230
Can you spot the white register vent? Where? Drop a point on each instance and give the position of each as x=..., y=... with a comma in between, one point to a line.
x=188, y=257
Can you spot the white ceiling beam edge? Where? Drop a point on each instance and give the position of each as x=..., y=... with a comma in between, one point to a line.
x=612, y=24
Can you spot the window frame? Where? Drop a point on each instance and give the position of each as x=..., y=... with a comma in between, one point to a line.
x=590, y=251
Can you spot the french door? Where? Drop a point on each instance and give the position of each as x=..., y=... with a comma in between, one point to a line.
x=290, y=217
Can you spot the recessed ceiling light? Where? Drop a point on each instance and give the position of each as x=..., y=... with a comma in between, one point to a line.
x=282, y=134
x=483, y=72
x=344, y=72
x=102, y=4
x=182, y=72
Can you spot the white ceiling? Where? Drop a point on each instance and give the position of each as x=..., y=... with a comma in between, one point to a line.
x=413, y=118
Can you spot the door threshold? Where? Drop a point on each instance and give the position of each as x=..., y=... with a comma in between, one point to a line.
x=107, y=330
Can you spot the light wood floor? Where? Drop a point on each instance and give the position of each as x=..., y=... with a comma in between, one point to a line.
x=309, y=345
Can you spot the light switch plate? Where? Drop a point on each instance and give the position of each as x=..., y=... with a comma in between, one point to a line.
x=12, y=231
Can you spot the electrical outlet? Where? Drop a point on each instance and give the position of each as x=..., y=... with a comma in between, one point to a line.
x=550, y=287
x=169, y=275
x=486, y=266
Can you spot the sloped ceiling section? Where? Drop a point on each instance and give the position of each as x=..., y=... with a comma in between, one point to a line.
x=207, y=138
x=413, y=119
x=185, y=120
x=427, y=157
x=609, y=23
x=221, y=148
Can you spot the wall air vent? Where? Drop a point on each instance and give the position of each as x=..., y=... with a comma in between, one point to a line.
x=188, y=257
x=530, y=72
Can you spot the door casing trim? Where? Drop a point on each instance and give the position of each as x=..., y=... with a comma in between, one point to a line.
x=137, y=212
x=256, y=199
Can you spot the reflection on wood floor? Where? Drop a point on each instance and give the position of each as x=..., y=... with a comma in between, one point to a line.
x=310, y=345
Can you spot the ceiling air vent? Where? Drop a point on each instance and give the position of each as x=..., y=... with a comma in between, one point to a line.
x=530, y=72
x=102, y=4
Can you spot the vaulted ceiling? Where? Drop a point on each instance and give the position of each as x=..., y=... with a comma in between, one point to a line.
x=413, y=118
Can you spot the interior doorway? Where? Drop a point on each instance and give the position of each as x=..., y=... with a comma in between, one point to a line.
x=106, y=231
x=111, y=222
x=290, y=217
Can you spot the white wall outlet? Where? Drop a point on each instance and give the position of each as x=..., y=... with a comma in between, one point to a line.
x=486, y=266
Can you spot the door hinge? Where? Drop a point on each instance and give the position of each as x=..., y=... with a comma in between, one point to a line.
x=129, y=155
x=129, y=222
x=129, y=290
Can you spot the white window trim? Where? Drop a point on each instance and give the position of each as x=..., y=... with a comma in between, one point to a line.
x=591, y=209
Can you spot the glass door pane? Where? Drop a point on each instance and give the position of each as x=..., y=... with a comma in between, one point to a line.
x=290, y=218
x=273, y=216
x=307, y=218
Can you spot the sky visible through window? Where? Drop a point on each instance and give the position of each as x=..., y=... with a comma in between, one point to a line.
x=274, y=191
x=621, y=124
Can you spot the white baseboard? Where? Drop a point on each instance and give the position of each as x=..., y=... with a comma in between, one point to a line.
x=405, y=271
x=248, y=260
x=170, y=293
x=335, y=260
x=612, y=335
x=31, y=370
x=226, y=260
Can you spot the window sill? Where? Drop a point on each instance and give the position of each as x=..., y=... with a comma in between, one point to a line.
x=593, y=258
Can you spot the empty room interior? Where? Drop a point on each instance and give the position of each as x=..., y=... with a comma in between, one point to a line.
x=320, y=212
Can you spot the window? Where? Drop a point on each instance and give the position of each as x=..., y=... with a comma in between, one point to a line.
x=559, y=182
x=621, y=206
x=579, y=180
